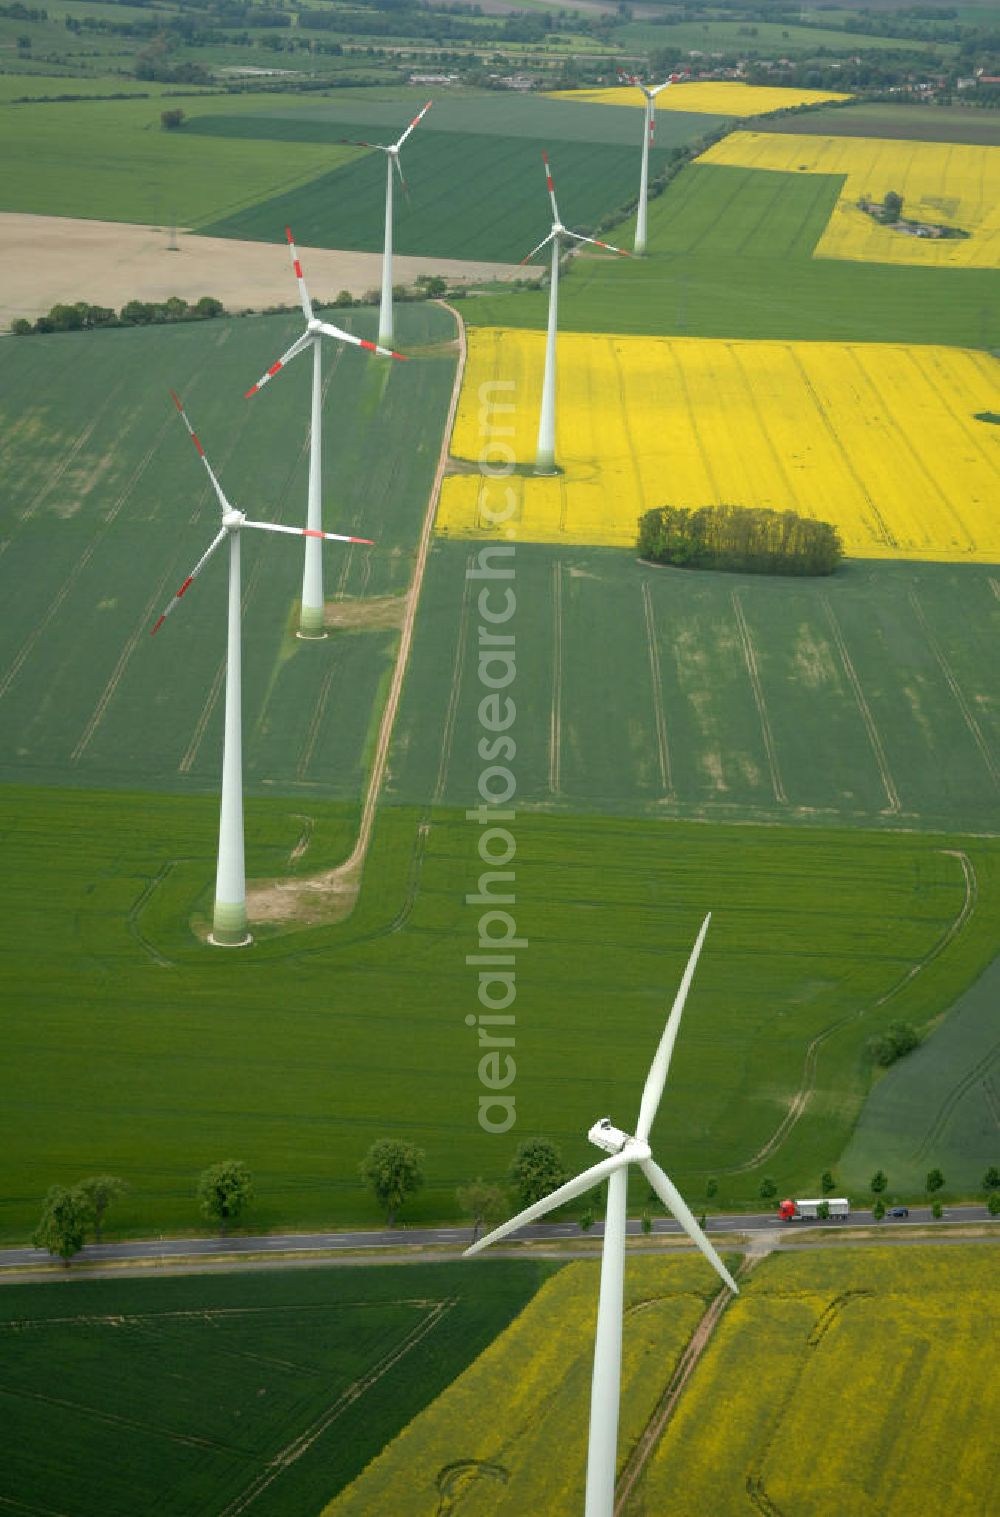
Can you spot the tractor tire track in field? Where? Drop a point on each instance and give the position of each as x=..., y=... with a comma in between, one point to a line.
x=71, y=455
x=696, y=1345
x=555, y=718
x=656, y=680
x=750, y=657
x=27, y=647
x=981, y=1071
x=842, y=451
x=107, y=694
x=315, y=722
x=970, y=721
x=114, y=1419
x=874, y=737
x=455, y=692
x=304, y=1441
x=800, y=1100
x=20, y=1507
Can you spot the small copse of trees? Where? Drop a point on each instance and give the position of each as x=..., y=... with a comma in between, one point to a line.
x=81, y=316
x=752, y=540
x=899, y=1039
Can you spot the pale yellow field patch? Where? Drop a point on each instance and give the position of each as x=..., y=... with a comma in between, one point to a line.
x=945, y=183
x=711, y=97
x=878, y=438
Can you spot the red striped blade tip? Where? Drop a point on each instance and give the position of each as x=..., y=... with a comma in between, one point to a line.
x=288, y=234
x=173, y=396
x=159, y=624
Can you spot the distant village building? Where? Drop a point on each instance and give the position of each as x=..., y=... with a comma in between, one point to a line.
x=433, y=79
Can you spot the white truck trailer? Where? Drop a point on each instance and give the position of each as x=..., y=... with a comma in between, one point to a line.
x=793, y=1211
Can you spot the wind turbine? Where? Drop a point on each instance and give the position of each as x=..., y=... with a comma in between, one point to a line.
x=545, y=453
x=311, y=613
x=229, y=917
x=648, y=132
x=391, y=151
x=623, y=1150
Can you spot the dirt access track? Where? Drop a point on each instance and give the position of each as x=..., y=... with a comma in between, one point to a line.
x=45, y=260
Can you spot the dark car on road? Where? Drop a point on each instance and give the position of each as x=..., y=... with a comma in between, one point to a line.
x=898, y=1211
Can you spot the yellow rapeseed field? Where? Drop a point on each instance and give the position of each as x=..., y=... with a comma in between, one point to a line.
x=879, y=438
x=942, y=183
x=858, y=1381
x=714, y=98
x=509, y=1436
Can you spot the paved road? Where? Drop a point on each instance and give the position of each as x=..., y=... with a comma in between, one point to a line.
x=455, y=1237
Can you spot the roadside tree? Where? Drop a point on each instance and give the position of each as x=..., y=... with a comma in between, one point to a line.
x=224, y=1190
x=62, y=1229
x=537, y=1170
x=392, y=1169
x=100, y=1191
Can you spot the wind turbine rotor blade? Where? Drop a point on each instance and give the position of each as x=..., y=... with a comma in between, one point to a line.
x=203, y=560
x=597, y=243
x=220, y=496
x=307, y=309
x=417, y=118
x=402, y=179
x=334, y=537
x=380, y=147
x=530, y=256
x=657, y=1077
x=550, y=187
x=567, y=1192
x=329, y=330
x=298, y=346
x=674, y=1202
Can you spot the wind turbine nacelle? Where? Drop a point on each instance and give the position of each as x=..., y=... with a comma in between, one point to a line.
x=604, y=1135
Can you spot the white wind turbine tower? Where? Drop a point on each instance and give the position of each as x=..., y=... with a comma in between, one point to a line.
x=311, y=613
x=545, y=453
x=648, y=132
x=623, y=1150
x=229, y=917
x=391, y=151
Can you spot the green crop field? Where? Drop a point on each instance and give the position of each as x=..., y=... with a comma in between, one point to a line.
x=110, y=160
x=938, y=1108
x=470, y=196
x=905, y=122
x=868, y=698
x=837, y=1382
x=133, y=1050
x=107, y=508
x=259, y=1392
x=474, y=173
x=857, y=1381
x=731, y=256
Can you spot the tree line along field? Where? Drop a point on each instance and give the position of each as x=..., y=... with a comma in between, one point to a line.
x=862, y=699
x=246, y=166
x=730, y=256
x=883, y=441
x=134, y=1051
x=835, y=1381
x=893, y=120
x=257, y=1392
x=107, y=508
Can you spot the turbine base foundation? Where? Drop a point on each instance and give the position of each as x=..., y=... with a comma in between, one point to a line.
x=229, y=925
x=310, y=637
x=225, y=942
x=311, y=622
